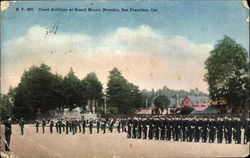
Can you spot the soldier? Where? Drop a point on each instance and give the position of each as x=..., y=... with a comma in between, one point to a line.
x=7, y=133
x=67, y=124
x=145, y=128
x=79, y=125
x=118, y=122
x=37, y=125
x=134, y=127
x=162, y=128
x=90, y=125
x=168, y=127
x=156, y=128
x=189, y=130
x=183, y=128
x=246, y=126
x=219, y=126
x=151, y=128
x=83, y=125
x=204, y=130
x=43, y=125
x=103, y=124
x=60, y=126
x=111, y=124
x=129, y=125
x=237, y=127
x=73, y=126
x=123, y=125
x=70, y=125
x=139, y=129
x=21, y=124
x=63, y=124
x=212, y=130
x=229, y=124
x=57, y=126
x=97, y=125
x=51, y=125
x=198, y=124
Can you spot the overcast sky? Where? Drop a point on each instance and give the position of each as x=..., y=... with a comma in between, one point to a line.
x=152, y=49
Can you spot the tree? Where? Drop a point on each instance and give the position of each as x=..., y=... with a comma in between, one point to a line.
x=93, y=89
x=35, y=93
x=227, y=73
x=162, y=102
x=122, y=97
x=6, y=103
x=185, y=110
x=74, y=91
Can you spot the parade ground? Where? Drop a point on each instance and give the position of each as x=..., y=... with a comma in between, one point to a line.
x=111, y=145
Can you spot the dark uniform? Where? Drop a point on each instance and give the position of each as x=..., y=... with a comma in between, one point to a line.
x=43, y=125
x=197, y=129
x=51, y=125
x=246, y=126
x=219, y=127
x=183, y=129
x=134, y=128
x=228, y=128
x=57, y=126
x=111, y=124
x=60, y=126
x=98, y=125
x=21, y=124
x=90, y=126
x=79, y=126
x=204, y=130
x=212, y=130
x=156, y=129
x=139, y=128
x=7, y=134
x=163, y=128
x=67, y=124
x=144, y=128
x=83, y=125
x=37, y=125
x=169, y=130
x=129, y=124
x=151, y=129
x=237, y=127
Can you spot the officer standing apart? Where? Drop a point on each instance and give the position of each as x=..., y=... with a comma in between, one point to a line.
x=21, y=124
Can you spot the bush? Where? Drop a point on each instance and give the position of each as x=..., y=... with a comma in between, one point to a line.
x=185, y=110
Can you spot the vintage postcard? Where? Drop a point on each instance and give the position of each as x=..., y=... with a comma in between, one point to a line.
x=121, y=79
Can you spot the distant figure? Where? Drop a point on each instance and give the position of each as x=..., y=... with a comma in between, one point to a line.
x=90, y=125
x=43, y=125
x=21, y=124
x=37, y=125
x=7, y=133
x=51, y=125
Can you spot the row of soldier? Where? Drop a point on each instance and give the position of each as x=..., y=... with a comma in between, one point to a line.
x=190, y=129
x=164, y=128
x=74, y=125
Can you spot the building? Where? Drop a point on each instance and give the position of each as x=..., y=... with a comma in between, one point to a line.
x=199, y=103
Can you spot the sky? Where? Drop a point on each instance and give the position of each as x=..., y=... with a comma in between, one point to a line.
x=151, y=49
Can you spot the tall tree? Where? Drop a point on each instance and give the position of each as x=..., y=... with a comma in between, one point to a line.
x=74, y=91
x=123, y=97
x=162, y=102
x=227, y=73
x=35, y=92
x=93, y=89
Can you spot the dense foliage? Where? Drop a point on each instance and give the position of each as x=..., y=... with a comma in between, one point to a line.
x=227, y=73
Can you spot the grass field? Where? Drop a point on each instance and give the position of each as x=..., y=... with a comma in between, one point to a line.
x=38, y=145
